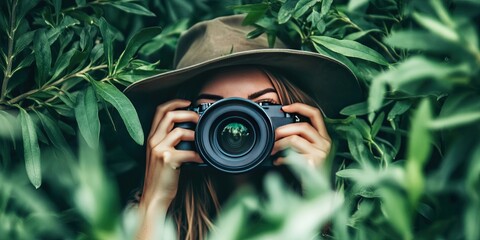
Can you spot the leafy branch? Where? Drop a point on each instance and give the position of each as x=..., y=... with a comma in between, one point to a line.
x=9, y=56
x=55, y=84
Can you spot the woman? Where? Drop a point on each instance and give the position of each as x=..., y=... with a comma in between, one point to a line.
x=214, y=60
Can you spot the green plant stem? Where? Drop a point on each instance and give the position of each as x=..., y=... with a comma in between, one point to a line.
x=58, y=82
x=9, y=60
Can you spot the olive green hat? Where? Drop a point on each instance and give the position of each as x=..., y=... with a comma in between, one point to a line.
x=222, y=42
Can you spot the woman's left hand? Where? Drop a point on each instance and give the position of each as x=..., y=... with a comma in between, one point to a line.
x=311, y=140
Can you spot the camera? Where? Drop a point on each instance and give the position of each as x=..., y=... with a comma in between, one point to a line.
x=235, y=135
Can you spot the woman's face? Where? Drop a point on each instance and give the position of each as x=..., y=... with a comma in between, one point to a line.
x=245, y=82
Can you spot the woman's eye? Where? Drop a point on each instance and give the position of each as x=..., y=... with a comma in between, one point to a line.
x=267, y=100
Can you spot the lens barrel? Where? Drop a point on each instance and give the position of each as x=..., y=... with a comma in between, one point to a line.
x=234, y=135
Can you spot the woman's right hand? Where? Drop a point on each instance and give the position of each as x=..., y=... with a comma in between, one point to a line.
x=163, y=161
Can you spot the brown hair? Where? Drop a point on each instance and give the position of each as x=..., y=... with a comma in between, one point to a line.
x=196, y=202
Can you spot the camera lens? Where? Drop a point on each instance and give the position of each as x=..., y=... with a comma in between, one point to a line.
x=235, y=137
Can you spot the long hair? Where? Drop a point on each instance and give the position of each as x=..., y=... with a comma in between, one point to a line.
x=197, y=202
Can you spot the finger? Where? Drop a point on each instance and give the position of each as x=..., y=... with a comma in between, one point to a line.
x=302, y=129
x=294, y=142
x=176, y=136
x=313, y=113
x=175, y=158
x=163, y=109
x=167, y=123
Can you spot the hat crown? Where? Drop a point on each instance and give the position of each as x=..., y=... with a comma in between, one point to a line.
x=216, y=38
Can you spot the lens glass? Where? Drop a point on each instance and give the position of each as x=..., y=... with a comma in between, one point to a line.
x=235, y=137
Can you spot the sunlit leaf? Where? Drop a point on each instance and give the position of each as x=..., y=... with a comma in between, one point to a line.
x=286, y=11
x=396, y=211
x=436, y=27
x=302, y=7
x=350, y=49
x=131, y=7
x=357, y=35
x=418, y=40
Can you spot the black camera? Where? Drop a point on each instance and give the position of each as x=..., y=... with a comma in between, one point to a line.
x=235, y=135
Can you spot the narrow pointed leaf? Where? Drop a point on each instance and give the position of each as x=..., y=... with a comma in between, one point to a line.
x=124, y=107
x=135, y=43
x=31, y=150
x=86, y=113
x=43, y=56
x=350, y=49
x=132, y=8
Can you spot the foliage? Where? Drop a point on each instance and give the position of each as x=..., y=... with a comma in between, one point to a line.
x=405, y=160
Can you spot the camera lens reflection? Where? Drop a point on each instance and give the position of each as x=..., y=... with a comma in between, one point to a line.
x=236, y=138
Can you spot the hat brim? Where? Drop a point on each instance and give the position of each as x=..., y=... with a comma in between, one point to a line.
x=330, y=83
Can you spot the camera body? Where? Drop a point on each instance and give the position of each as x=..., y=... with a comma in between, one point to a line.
x=235, y=135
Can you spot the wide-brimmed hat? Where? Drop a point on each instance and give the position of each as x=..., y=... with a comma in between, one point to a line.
x=222, y=42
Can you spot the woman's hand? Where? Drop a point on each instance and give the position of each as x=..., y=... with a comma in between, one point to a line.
x=163, y=161
x=311, y=140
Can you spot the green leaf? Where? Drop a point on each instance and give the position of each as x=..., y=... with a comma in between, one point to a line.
x=356, y=144
x=350, y=49
x=418, y=149
x=357, y=35
x=23, y=41
x=399, y=108
x=8, y=126
x=53, y=131
x=302, y=7
x=255, y=33
x=254, y=12
x=419, y=144
x=97, y=53
x=31, y=150
x=62, y=63
x=355, y=109
x=456, y=120
x=86, y=113
x=134, y=75
x=418, y=68
x=123, y=105
x=377, y=124
x=437, y=27
x=24, y=7
x=55, y=32
x=43, y=56
x=326, y=4
x=108, y=38
x=396, y=211
x=80, y=2
x=376, y=94
x=327, y=52
x=57, y=5
x=285, y=12
x=134, y=8
x=418, y=40
x=134, y=44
